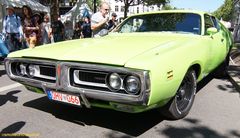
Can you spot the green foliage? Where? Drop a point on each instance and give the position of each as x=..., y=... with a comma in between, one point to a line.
x=91, y=4
x=156, y=2
x=225, y=11
x=168, y=7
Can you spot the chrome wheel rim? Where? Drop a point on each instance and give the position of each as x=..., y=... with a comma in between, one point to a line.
x=185, y=93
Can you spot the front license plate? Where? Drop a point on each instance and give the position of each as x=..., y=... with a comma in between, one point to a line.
x=65, y=98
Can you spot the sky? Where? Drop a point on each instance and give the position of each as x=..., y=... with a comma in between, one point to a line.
x=203, y=5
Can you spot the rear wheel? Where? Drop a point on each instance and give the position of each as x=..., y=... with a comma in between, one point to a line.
x=180, y=105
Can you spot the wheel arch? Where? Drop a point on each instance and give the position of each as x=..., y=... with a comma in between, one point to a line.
x=197, y=69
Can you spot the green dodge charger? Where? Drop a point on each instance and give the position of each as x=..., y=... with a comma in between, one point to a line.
x=149, y=61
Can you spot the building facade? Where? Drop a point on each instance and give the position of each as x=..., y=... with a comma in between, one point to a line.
x=118, y=8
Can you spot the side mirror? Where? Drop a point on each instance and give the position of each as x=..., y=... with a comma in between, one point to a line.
x=212, y=31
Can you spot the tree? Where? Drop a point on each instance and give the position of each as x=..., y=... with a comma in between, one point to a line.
x=225, y=11
x=168, y=7
x=54, y=8
x=91, y=4
x=128, y=3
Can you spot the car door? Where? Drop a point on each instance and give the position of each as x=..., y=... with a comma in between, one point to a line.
x=216, y=43
x=222, y=39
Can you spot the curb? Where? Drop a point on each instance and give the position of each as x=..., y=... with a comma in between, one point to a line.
x=234, y=68
x=234, y=75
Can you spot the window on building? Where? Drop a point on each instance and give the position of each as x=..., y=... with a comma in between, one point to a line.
x=122, y=8
x=116, y=8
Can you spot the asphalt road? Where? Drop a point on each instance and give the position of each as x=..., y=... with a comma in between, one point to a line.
x=215, y=114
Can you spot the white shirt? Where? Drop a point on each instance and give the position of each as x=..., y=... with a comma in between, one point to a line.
x=101, y=31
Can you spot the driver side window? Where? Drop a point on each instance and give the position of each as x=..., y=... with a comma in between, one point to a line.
x=208, y=23
x=133, y=25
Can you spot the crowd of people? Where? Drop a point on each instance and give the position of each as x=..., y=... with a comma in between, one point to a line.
x=28, y=31
x=32, y=30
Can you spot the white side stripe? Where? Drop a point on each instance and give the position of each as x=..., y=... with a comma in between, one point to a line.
x=15, y=85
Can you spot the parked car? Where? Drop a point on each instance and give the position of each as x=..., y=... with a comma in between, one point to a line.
x=150, y=61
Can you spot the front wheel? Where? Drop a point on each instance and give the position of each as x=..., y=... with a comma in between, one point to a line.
x=180, y=105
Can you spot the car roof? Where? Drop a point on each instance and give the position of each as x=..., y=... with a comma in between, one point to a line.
x=174, y=11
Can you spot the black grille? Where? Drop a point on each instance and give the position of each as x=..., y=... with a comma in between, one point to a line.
x=95, y=77
x=48, y=71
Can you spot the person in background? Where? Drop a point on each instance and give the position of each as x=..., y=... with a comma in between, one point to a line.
x=86, y=28
x=12, y=30
x=29, y=27
x=77, y=30
x=57, y=29
x=68, y=30
x=38, y=23
x=113, y=22
x=99, y=21
x=46, y=30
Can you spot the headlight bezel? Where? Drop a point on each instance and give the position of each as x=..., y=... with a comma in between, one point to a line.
x=21, y=69
x=108, y=83
x=34, y=68
x=123, y=78
x=126, y=86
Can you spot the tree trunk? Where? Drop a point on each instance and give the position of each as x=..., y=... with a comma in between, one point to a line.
x=54, y=9
x=126, y=10
x=94, y=6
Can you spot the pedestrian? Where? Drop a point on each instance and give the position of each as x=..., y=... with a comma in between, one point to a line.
x=46, y=30
x=38, y=23
x=68, y=30
x=29, y=27
x=113, y=22
x=99, y=21
x=77, y=30
x=86, y=28
x=12, y=30
x=58, y=29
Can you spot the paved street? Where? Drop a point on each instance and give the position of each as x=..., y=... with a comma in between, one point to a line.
x=215, y=113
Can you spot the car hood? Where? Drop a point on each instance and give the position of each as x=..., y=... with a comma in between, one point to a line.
x=114, y=49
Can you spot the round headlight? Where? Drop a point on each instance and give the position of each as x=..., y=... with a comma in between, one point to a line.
x=114, y=81
x=132, y=84
x=22, y=69
x=31, y=69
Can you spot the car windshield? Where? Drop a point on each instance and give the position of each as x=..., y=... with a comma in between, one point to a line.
x=161, y=22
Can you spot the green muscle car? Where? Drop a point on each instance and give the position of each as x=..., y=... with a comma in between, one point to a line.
x=150, y=60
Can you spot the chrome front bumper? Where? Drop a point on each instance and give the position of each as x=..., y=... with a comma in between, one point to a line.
x=63, y=82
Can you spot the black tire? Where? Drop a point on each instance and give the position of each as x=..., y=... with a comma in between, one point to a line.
x=221, y=70
x=180, y=105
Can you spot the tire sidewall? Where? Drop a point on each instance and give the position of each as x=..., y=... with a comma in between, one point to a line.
x=174, y=110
